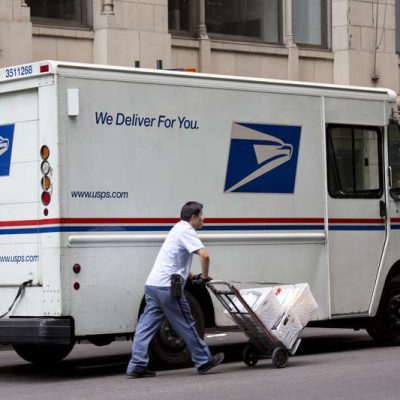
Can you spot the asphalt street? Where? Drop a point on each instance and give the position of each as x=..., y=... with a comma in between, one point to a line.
x=330, y=364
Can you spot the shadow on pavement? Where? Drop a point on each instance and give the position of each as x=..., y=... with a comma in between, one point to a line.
x=78, y=367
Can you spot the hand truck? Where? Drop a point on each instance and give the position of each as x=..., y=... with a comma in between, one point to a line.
x=263, y=344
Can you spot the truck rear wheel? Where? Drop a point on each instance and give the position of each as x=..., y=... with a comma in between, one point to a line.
x=167, y=349
x=385, y=326
x=43, y=354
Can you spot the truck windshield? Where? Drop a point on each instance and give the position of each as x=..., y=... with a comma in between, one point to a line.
x=394, y=158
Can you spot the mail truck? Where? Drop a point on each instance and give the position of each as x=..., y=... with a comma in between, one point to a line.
x=300, y=183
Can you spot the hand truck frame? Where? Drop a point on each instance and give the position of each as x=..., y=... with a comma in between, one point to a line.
x=263, y=344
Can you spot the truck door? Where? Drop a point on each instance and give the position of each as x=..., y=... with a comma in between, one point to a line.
x=356, y=214
x=19, y=187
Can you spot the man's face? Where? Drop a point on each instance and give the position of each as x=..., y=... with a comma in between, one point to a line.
x=197, y=220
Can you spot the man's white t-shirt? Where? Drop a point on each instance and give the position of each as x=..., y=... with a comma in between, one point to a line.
x=175, y=255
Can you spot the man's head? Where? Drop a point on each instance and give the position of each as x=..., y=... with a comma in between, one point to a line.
x=192, y=212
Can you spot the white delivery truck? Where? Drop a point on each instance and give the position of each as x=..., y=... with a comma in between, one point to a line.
x=300, y=182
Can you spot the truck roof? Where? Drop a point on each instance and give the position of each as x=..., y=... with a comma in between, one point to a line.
x=51, y=67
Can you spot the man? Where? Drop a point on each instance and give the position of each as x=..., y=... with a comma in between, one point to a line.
x=174, y=257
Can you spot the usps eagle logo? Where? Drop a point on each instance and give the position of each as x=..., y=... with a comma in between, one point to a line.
x=6, y=140
x=262, y=158
x=4, y=144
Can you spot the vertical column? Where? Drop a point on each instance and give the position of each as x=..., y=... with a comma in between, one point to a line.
x=363, y=41
x=15, y=33
x=204, y=40
x=202, y=29
x=293, y=56
x=130, y=30
x=341, y=41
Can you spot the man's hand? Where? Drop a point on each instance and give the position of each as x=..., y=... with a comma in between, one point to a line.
x=198, y=279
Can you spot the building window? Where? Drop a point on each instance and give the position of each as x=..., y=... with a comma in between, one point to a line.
x=179, y=12
x=246, y=19
x=61, y=12
x=309, y=22
x=354, y=162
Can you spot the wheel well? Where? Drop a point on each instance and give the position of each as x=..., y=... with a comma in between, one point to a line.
x=394, y=271
x=202, y=296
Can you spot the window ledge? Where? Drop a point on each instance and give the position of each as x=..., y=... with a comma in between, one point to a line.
x=252, y=48
x=185, y=42
x=58, y=31
x=323, y=54
x=248, y=47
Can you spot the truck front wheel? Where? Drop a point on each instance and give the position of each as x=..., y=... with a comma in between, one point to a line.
x=43, y=354
x=167, y=349
x=385, y=326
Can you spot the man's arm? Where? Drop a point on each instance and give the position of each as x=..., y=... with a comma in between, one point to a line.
x=204, y=262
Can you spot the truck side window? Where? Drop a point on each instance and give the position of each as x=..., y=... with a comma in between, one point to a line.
x=394, y=158
x=354, y=162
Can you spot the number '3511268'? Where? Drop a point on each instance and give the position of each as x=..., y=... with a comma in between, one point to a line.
x=19, y=71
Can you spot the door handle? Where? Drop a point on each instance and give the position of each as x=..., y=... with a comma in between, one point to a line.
x=382, y=209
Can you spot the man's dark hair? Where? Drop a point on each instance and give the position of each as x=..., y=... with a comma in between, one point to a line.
x=189, y=209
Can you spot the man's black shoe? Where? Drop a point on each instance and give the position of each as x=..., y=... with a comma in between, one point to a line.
x=142, y=373
x=217, y=359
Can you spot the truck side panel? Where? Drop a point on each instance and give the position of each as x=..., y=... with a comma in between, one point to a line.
x=137, y=151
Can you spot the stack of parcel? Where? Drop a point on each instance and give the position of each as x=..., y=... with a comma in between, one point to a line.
x=284, y=310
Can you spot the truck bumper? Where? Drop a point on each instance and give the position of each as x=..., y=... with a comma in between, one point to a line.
x=36, y=330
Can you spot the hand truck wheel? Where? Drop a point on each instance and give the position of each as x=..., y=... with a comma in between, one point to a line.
x=280, y=357
x=250, y=356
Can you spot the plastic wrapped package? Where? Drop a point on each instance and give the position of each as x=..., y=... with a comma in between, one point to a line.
x=301, y=302
x=283, y=292
x=285, y=309
x=264, y=303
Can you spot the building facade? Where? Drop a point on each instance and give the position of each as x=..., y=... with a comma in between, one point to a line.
x=330, y=41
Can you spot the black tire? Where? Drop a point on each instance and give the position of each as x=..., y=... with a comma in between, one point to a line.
x=167, y=349
x=250, y=356
x=43, y=354
x=385, y=326
x=280, y=357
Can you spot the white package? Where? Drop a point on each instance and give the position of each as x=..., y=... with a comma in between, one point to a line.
x=288, y=330
x=301, y=302
x=264, y=303
x=283, y=292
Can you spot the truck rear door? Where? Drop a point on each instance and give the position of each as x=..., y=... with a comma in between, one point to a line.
x=19, y=187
